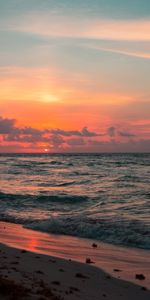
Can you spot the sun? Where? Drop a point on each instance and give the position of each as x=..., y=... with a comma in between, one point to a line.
x=45, y=150
x=47, y=97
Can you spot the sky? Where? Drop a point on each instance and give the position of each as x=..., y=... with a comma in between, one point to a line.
x=74, y=76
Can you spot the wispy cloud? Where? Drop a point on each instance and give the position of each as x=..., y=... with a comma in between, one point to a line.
x=48, y=25
x=135, y=53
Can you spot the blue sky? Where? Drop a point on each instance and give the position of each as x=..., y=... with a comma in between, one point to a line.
x=110, y=8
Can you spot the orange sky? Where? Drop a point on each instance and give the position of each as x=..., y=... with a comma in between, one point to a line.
x=59, y=70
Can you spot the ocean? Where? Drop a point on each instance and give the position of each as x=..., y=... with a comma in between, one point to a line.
x=103, y=197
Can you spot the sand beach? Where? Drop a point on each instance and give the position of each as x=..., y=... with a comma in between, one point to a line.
x=37, y=267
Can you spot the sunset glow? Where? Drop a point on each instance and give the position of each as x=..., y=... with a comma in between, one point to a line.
x=69, y=66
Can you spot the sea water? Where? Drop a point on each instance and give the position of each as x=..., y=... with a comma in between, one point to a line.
x=104, y=197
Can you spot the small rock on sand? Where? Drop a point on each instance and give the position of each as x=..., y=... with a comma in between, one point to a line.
x=140, y=276
x=94, y=245
x=89, y=261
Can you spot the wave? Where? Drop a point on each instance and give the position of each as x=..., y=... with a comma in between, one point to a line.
x=76, y=220
x=66, y=183
x=104, y=197
x=123, y=232
x=62, y=198
x=55, y=162
x=73, y=183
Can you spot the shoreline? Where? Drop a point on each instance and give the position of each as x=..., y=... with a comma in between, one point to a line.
x=120, y=262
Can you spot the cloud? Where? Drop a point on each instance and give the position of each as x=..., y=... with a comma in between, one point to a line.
x=55, y=137
x=96, y=143
x=7, y=125
x=134, y=53
x=56, y=141
x=31, y=131
x=114, y=131
x=64, y=26
x=25, y=138
x=76, y=142
x=126, y=134
x=33, y=139
x=65, y=132
x=11, y=132
x=111, y=131
x=122, y=147
x=87, y=133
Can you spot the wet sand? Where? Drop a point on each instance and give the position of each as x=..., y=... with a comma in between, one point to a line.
x=58, y=275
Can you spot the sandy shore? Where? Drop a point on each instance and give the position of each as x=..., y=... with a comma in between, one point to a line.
x=28, y=275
